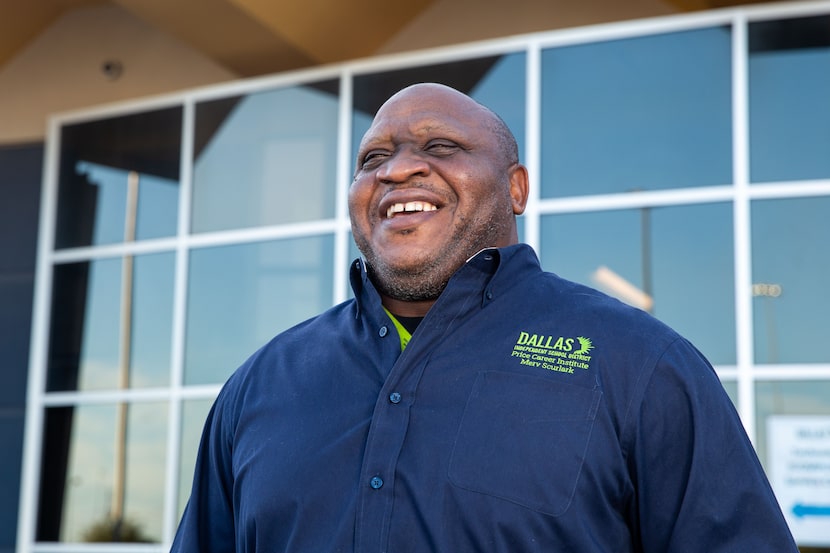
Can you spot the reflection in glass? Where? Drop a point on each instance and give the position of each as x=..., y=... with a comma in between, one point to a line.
x=787, y=398
x=679, y=258
x=641, y=113
x=793, y=421
x=240, y=296
x=791, y=272
x=498, y=82
x=156, y=210
x=86, y=495
x=93, y=341
x=789, y=84
x=266, y=158
x=97, y=161
x=731, y=387
x=194, y=413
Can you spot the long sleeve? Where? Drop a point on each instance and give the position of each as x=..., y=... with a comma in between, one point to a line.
x=700, y=486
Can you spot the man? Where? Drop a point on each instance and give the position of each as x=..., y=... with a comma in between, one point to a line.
x=527, y=413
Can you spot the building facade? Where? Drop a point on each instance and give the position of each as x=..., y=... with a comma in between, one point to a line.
x=680, y=163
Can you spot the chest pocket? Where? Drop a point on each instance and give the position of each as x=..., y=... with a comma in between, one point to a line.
x=523, y=439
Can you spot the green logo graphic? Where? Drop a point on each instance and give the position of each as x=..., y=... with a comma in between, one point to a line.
x=555, y=353
x=585, y=345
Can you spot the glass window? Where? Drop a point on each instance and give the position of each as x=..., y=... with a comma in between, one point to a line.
x=731, y=387
x=793, y=421
x=789, y=84
x=676, y=262
x=265, y=158
x=107, y=327
x=102, y=475
x=791, y=272
x=240, y=296
x=498, y=82
x=617, y=116
x=99, y=158
x=194, y=413
x=641, y=113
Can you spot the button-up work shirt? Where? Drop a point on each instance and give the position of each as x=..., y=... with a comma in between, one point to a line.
x=527, y=413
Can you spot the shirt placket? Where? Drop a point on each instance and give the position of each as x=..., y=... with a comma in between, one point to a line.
x=390, y=421
x=388, y=429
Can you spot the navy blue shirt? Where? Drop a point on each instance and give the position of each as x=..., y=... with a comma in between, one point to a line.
x=527, y=413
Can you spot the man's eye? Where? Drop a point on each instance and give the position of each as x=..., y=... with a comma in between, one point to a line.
x=373, y=157
x=441, y=148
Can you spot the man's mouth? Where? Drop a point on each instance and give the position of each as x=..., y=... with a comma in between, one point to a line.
x=409, y=207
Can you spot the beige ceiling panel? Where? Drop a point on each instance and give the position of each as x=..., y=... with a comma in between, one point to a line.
x=222, y=32
x=689, y=5
x=21, y=21
x=334, y=30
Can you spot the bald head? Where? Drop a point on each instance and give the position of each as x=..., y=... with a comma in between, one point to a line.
x=487, y=117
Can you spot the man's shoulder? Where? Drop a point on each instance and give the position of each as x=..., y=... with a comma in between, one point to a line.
x=332, y=322
x=307, y=339
x=591, y=310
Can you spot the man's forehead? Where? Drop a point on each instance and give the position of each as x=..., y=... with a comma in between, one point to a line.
x=419, y=123
x=428, y=98
x=423, y=115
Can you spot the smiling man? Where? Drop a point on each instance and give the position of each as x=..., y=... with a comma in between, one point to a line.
x=465, y=400
x=438, y=179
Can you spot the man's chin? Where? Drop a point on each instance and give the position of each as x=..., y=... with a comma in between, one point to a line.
x=407, y=281
x=407, y=263
x=411, y=291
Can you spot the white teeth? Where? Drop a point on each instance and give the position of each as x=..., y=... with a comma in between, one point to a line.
x=409, y=206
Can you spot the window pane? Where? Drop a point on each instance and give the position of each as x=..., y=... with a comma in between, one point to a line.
x=240, y=296
x=96, y=161
x=793, y=421
x=265, y=158
x=152, y=320
x=731, y=387
x=789, y=84
x=791, y=272
x=680, y=258
x=91, y=304
x=498, y=82
x=641, y=113
x=81, y=483
x=194, y=413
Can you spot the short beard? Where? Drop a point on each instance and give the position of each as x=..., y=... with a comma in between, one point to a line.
x=422, y=284
x=427, y=281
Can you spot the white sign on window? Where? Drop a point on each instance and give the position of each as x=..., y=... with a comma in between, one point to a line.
x=799, y=470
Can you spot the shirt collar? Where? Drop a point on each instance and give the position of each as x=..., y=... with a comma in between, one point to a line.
x=501, y=267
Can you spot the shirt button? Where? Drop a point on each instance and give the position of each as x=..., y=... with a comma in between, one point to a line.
x=376, y=482
x=382, y=332
x=395, y=397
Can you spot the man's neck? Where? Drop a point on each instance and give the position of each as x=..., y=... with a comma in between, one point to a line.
x=407, y=308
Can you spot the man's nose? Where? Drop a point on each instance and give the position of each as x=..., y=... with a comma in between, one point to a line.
x=402, y=166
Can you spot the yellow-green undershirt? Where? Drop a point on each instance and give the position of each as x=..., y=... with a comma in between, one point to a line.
x=402, y=332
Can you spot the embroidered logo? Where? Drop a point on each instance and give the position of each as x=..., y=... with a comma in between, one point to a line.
x=554, y=353
x=585, y=346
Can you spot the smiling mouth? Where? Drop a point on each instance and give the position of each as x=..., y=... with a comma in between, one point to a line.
x=409, y=207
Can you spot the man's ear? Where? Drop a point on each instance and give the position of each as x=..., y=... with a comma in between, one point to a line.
x=518, y=187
